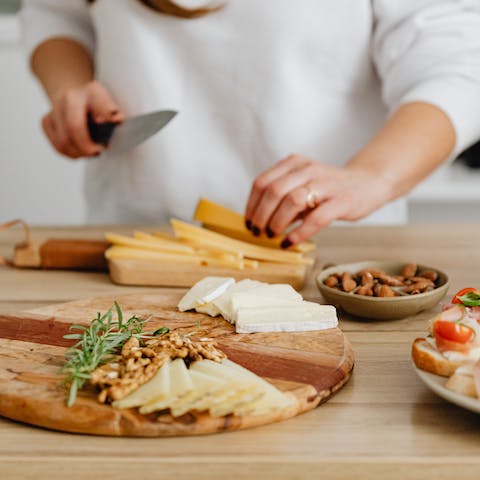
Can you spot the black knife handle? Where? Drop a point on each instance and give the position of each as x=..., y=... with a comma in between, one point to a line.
x=100, y=132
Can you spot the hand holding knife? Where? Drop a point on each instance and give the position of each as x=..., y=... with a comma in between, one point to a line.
x=121, y=137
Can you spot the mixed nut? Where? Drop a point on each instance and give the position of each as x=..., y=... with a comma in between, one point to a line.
x=377, y=283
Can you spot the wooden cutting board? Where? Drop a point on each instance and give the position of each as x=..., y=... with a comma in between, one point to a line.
x=174, y=274
x=309, y=366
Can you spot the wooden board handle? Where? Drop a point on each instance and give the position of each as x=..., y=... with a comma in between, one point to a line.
x=64, y=254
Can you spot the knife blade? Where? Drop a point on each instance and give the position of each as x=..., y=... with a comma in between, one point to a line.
x=121, y=137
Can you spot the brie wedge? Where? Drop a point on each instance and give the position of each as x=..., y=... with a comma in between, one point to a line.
x=224, y=302
x=303, y=317
x=204, y=291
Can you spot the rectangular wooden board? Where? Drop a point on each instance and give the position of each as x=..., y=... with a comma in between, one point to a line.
x=172, y=274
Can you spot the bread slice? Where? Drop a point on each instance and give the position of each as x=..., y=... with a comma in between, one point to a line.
x=462, y=383
x=431, y=360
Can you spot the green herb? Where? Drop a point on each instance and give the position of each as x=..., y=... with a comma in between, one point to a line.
x=470, y=299
x=96, y=345
x=161, y=331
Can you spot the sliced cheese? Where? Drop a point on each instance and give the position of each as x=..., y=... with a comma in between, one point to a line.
x=158, y=388
x=230, y=223
x=203, y=236
x=204, y=386
x=120, y=252
x=209, y=308
x=159, y=245
x=173, y=245
x=180, y=384
x=303, y=317
x=263, y=296
x=204, y=291
x=223, y=303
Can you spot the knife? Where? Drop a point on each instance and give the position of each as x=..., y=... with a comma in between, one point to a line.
x=121, y=137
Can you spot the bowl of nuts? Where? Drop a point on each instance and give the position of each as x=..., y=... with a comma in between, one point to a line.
x=382, y=290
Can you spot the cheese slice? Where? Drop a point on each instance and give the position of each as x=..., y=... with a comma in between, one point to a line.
x=203, y=386
x=303, y=317
x=180, y=384
x=264, y=296
x=223, y=303
x=271, y=400
x=204, y=291
x=209, y=308
x=232, y=224
x=199, y=235
x=158, y=388
x=121, y=252
x=141, y=243
x=172, y=244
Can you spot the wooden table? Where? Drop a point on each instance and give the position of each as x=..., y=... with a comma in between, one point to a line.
x=384, y=424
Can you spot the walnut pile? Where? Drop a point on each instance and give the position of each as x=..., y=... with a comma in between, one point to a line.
x=377, y=283
x=137, y=364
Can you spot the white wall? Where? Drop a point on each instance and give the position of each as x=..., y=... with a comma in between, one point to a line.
x=35, y=183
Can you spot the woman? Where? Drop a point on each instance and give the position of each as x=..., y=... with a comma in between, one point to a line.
x=332, y=109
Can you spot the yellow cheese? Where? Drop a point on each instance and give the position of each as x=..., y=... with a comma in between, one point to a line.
x=230, y=223
x=121, y=252
x=162, y=246
x=216, y=240
x=174, y=244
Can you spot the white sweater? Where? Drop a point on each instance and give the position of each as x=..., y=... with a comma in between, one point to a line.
x=257, y=81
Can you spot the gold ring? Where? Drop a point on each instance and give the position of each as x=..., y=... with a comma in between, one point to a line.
x=313, y=198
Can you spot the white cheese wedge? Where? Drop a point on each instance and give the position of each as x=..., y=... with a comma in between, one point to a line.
x=180, y=384
x=303, y=317
x=158, y=388
x=224, y=302
x=209, y=308
x=265, y=296
x=204, y=291
x=271, y=400
x=203, y=386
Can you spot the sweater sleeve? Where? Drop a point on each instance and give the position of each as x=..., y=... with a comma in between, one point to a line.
x=44, y=19
x=429, y=51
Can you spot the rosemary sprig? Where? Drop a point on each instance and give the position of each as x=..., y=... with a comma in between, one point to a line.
x=97, y=343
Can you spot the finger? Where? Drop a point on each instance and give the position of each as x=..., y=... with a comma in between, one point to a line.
x=292, y=162
x=102, y=106
x=294, y=206
x=60, y=143
x=273, y=196
x=330, y=210
x=75, y=114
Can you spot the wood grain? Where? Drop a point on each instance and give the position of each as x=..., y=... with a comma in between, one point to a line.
x=307, y=366
x=384, y=424
x=171, y=274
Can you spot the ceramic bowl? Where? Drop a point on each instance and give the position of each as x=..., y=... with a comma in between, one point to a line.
x=382, y=308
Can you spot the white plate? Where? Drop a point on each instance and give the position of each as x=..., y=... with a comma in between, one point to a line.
x=437, y=383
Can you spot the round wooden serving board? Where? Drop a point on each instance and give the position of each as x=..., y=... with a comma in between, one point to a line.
x=310, y=366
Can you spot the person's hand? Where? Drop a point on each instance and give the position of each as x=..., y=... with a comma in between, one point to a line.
x=66, y=124
x=299, y=188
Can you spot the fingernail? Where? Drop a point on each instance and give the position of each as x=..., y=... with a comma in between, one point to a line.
x=255, y=230
x=286, y=243
x=270, y=233
x=99, y=119
x=248, y=224
x=114, y=112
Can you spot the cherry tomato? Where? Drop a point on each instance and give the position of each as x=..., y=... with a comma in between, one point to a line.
x=455, y=332
x=463, y=292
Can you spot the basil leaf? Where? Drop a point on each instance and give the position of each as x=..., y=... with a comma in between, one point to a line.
x=470, y=299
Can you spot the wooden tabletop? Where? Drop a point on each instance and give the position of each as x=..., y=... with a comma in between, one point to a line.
x=384, y=424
